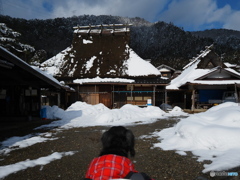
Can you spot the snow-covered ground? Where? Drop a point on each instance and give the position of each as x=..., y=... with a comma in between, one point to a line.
x=212, y=135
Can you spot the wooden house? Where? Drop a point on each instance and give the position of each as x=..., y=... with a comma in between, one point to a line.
x=166, y=71
x=204, y=82
x=21, y=88
x=102, y=68
x=115, y=92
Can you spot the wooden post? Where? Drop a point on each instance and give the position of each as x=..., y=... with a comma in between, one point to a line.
x=113, y=28
x=101, y=29
x=185, y=99
x=113, y=96
x=90, y=28
x=154, y=95
x=236, y=93
x=165, y=96
x=193, y=100
x=131, y=94
x=58, y=99
x=77, y=95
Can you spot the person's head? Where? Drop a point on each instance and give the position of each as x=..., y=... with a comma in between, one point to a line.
x=118, y=140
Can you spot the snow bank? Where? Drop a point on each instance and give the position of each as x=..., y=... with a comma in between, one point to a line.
x=177, y=111
x=130, y=114
x=212, y=135
x=81, y=114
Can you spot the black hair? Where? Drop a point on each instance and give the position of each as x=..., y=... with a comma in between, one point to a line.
x=119, y=141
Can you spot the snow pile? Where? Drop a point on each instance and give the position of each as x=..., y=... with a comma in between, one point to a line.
x=55, y=112
x=130, y=114
x=212, y=135
x=177, y=111
x=81, y=114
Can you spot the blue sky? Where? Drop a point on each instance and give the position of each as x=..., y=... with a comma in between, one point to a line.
x=191, y=15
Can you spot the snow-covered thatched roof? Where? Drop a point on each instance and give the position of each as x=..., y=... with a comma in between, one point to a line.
x=135, y=65
x=100, y=51
x=195, y=73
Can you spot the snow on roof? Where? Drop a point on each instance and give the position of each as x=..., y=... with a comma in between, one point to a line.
x=230, y=65
x=220, y=82
x=202, y=55
x=164, y=70
x=163, y=66
x=136, y=66
x=37, y=70
x=191, y=73
x=232, y=71
x=49, y=76
x=201, y=72
x=52, y=65
x=139, y=67
x=98, y=79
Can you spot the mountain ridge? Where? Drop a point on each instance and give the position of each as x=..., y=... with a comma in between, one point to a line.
x=161, y=42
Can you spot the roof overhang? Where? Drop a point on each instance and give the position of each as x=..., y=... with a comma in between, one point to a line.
x=15, y=71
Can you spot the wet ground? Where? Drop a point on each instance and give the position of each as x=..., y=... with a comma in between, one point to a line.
x=85, y=142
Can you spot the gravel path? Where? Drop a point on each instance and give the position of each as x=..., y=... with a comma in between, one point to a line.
x=85, y=142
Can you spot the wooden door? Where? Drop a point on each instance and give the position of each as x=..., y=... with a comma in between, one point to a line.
x=106, y=99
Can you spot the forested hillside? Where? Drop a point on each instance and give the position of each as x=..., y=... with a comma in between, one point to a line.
x=162, y=42
x=227, y=43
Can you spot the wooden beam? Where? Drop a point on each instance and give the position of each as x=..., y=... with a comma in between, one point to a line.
x=102, y=25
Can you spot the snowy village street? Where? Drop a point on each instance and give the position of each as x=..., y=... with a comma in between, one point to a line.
x=166, y=72
x=172, y=145
x=85, y=144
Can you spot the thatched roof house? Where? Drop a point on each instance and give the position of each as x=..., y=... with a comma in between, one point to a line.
x=205, y=79
x=100, y=52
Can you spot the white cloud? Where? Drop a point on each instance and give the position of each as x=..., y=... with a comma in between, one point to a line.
x=220, y=14
x=142, y=8
x=31, y=9
x=195, y=14
x=232, y=22
x=189, y=14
